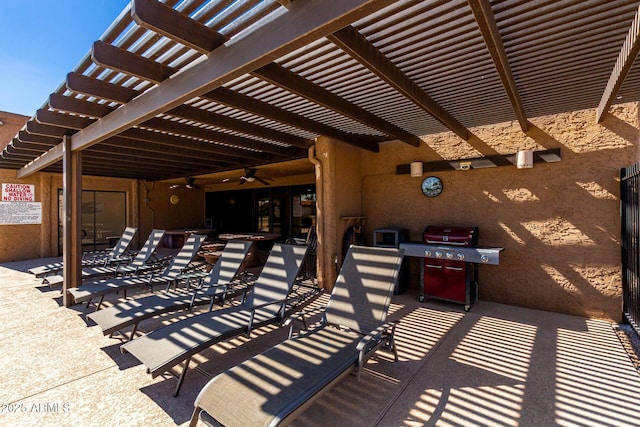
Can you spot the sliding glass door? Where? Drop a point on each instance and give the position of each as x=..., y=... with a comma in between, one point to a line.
x=104, y=215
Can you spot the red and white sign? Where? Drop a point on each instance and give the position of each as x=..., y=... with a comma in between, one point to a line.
x=18, y=193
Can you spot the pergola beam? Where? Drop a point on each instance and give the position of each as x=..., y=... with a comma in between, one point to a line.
x=78, y=106
x=288, y=80
x=626, y=58
x=303, y=23
x=164, y=20
x=35, y=128
x=55, y=118
x=93, y=87
x=489, y=29
x=129, y=63
x=358, y=47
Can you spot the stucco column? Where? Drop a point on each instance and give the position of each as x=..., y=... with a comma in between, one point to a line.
x=327, y=244
x=341, y=197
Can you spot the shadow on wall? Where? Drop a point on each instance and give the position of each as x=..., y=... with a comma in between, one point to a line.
x=558, y=222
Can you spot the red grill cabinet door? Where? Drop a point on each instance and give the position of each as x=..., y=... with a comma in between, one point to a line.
x=445, y=280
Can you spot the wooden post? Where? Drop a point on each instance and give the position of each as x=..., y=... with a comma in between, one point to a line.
x=72, y=204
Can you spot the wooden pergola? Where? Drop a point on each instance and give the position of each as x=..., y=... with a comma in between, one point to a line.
x=204, y=86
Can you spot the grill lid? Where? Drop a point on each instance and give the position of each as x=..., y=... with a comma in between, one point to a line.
x=461, y=236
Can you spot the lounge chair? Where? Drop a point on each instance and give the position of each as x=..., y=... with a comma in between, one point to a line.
x=144, y=261
x=167, y=347
x=278, y=384
x=308, y=269
x=215, y=285
x=179, y=264
x=90, y=259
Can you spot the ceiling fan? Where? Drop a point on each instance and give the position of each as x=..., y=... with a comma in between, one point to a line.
x=250, y=176
x=190, y=184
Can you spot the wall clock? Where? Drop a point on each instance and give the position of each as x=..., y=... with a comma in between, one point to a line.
x=174, y=199
x=431, y=186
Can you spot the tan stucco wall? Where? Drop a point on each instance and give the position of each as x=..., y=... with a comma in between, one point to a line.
x=19, y=242
x=558, y=222
x=156, y=211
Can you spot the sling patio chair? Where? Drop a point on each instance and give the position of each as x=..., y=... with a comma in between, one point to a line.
x=216, y=284
x=144, y=261
x=179, y=265
x=90, y=259
x=271, y=298
x=274, y=387
x=308, y=269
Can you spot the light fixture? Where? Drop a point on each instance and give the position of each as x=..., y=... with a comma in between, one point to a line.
x=172, y=186
x=416, y=169
x=524, y=159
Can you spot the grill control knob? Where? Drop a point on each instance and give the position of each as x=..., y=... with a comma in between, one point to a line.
x=449, y=255
x=438, y=254
x=460, y=256
x=427, y=254
x=484, y=258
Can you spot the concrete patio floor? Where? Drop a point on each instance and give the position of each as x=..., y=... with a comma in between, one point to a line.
x=496, y=365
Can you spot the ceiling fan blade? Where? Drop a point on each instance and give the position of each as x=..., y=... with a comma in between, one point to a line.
x=262, y=180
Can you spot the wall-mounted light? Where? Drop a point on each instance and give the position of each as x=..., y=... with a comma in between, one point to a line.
x=416, y=169
x=524, y=159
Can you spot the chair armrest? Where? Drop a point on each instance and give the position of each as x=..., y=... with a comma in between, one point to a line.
x=373, y=340
x=283, y=304
x=300, y=316
x=198, y=274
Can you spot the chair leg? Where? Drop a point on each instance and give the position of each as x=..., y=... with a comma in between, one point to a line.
x=391, y=342
x=182, y=375
x=194, y=417
x=133, y=331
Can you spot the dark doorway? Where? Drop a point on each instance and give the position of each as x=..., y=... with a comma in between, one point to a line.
x=288, y=211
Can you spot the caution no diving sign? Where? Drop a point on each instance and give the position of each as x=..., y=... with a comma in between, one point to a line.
x=18, y=193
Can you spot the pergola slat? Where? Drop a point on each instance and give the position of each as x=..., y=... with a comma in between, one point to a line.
x=226, y=122
x=233, y=154
x=243, y=102
x=216, y=136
